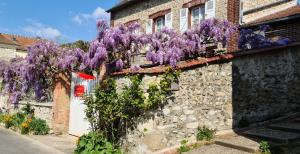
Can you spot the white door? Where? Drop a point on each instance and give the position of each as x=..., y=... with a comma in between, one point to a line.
x=81, y=84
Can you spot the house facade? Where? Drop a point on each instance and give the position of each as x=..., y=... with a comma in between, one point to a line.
x=180, y=15
x=12, y=46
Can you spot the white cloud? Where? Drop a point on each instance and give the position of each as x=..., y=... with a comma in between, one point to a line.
x=38, y=29
x=98, y=13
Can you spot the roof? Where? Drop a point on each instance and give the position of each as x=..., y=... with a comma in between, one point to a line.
x=290, y=12
x=4, y=40
x=21, y=42
x=122, y=4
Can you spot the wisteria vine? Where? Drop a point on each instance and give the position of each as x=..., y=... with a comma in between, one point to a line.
x=35, y=74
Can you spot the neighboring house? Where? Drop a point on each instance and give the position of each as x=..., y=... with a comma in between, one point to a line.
x=12, y=46
x=282, y=15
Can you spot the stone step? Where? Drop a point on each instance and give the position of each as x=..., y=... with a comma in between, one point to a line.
x=239, y=143
x=215, y=149
x=290, y=126
x=272, y=135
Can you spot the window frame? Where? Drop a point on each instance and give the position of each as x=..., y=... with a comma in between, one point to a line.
x=190, y=14
x=155, y=21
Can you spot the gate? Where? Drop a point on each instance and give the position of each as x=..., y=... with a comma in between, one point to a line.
x=82, y=84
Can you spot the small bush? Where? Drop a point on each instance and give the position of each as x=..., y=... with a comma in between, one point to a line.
x=39, y=127
x=1, y=117
x=25, y=126
x=184, y=147
x=8, y=121
x=205, y=133
x=28, y=110
x=94, y=143
x=264, y=147
x=18, y=119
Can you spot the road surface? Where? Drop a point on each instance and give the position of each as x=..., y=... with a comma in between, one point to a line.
x=13, y=143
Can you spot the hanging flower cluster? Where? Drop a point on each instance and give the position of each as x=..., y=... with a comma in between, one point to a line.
x=170, y=47
x=35, y=74
x=114, y=46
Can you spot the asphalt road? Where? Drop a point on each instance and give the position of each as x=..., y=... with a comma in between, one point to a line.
x=13, y=143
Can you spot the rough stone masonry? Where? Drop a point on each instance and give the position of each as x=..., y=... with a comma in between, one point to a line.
x=254, y=88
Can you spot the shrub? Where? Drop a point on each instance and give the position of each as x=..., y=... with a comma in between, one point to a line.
x=18, y=119
x=183, y=147
x=8, y=121
x=28, y=110
x=25, y=129
x=205, y=133
x=94, y=143
x=39, y=126
x=264, y=147
x=1, y=117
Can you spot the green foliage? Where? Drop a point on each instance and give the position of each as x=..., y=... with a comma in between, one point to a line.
x=78, y=44
x=18, y=119
x=112, y=113
x=104, y=111
x=39, y=126
x=205, y=133
x=168, y=78
x=95, y=143
x=184, y=147
x=264, y=147
x=133, y=96
x=8, y=121
x=28, y=110
x=26, y=122
x=156, y=96
x=1, y=117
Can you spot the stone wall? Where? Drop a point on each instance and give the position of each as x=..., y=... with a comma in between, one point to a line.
x=41, y=110
x=266, y=85
x=141, y=11
x=252, y=87
x=7, y=52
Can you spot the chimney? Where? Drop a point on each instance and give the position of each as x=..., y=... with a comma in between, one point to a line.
x=233, y=15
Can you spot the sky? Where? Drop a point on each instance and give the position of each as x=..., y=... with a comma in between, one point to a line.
x=59, y=20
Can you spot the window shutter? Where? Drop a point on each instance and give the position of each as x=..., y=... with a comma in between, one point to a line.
x=241, y=11
x=184, y=19
x=149, y=26
x=210, y=9
x=168, y=20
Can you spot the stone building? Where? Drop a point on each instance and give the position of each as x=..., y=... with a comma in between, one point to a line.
x=14, y=45
x=177, y=14
x=184, y=14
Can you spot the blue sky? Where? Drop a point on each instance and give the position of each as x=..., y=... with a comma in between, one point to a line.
x=59, y=20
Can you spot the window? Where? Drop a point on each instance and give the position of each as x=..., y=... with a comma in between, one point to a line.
x=159, y=23
x=197, y=15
